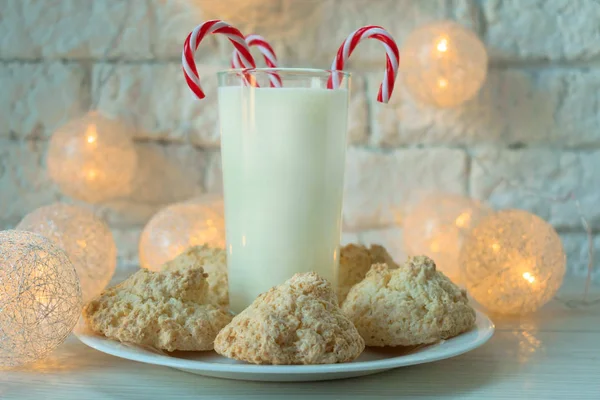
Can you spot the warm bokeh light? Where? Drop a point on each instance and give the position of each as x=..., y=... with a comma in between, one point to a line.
x=443, y=64
x=524, y=268
x=92, y=159
x=528, y=277
x=92, y=174
x=92, y=134
x=180, y=226
x=85, y=238
x=528, y=343
x=436, y=227
x=40, y=298
x=442, y=45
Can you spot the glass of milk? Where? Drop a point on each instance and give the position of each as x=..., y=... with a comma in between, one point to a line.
x=283, y=154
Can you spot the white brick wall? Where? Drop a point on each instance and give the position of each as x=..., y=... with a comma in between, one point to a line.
x=38, y=97
x=536, y=122
x=565, y=30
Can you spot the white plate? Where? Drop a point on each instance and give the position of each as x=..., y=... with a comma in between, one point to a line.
x=370, y=361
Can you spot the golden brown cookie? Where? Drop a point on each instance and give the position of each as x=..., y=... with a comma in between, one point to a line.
x=214, y=262
x=297, y=322
x=355, y=262
x=166, y=310
x=379, y=255
x=413, y=304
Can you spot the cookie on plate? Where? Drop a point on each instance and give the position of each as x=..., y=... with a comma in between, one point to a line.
x=214, y=263
x=166, y=310
x=412, y=304
x=297, y=322
x=355, y=262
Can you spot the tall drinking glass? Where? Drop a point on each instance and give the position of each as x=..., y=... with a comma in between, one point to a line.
x=283, y=155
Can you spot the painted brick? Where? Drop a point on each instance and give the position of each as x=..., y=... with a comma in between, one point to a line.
x=156, y=99
x=308, y=33
x=536, y=180
x=37, y=98
x=379, y=184
x=24, y=185
x=166, y=174
x=57, y=29
x=576, y=247
x=550, y=107
x=542, y=30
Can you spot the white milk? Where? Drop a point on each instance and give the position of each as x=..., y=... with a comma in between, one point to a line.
x=283, y=153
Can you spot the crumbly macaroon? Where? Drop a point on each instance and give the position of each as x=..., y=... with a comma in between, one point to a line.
x=214, y=262
x=379, y=255
x=410, y=305
x=355, y=262
x=297, y=322
x=166, y=310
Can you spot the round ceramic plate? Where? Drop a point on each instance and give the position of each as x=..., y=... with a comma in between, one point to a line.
x=371, y=360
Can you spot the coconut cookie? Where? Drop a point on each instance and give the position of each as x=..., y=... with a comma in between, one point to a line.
x=355, y=262
x=297, y=322
x=413, y=304
x=166, y=310
x=214, y=263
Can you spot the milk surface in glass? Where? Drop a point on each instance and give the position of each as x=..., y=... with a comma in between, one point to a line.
x=283, y=154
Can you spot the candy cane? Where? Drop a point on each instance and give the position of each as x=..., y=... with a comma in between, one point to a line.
x=268, y=53
x=392, y=58
x=193, y=40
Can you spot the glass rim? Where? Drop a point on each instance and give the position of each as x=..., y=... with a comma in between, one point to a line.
x=309, y=72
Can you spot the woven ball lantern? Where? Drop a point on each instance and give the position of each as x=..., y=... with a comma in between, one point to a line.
x=513, y=262
x=85, y=238
x=443, y=64
x=40, y=297
x=436, y=227
x=92, y=158
x=180, y=226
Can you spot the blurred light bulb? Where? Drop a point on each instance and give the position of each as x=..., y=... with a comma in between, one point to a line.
x=436, y=227
x=442, y=45
x=180, y=226
x=443, y=64
x=92, y=158
x=91, y=133
x=522, y=277
x=40, y=300
x=528, y=277
x=85, y=238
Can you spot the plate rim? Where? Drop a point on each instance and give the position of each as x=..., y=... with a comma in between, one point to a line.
x=484, y=326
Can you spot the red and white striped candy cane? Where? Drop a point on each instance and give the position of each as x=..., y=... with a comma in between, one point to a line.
x=268, y=53
x=392, y=58
x=193, y=40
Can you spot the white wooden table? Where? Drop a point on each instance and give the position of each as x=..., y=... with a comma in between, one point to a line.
x=553, y=354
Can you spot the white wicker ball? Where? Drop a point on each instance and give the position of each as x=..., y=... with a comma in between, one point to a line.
x=436, y=227
x=40, y=298
x=92, y=159
x=513, y=262
x=443, y=64
x=178, y=227
x=85, y=238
